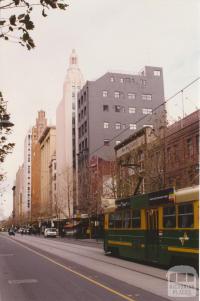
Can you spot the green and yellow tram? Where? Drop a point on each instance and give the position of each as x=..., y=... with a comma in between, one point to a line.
x=159, y=227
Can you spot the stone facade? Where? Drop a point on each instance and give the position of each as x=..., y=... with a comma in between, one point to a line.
x=47, y=148
x=37, y=130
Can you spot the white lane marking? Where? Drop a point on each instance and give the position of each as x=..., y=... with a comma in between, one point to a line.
x=22, y=281
x=5, y=255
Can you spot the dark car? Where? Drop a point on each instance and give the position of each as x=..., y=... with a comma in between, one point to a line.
x=11, y=232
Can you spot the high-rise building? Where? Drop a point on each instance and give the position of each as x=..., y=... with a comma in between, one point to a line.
x=17, y=208
x=111, y=109
x=47, y=148
x=26, y=207
x=37, y=130
x=66, y=133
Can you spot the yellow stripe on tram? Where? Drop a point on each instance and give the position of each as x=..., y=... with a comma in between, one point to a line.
x=119, y=243
x=183, y=250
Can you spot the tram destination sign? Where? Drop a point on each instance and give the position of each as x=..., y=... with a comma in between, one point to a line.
x=161, y=197
x=124, y=203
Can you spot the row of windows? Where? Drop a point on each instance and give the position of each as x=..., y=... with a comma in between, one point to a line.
x=132, y=218
x=119, y=126
x=132, y=80
x=119, y=94
x=177, y=152
x=185, y=215
x=131, y=110
x=125, y=219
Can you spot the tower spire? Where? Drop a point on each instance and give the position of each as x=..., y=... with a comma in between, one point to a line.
x=73, y=59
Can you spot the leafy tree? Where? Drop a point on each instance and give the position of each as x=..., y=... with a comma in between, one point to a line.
x=16, y=26
x=5, y=129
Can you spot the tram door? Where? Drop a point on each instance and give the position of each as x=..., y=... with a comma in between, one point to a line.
x=152, y=245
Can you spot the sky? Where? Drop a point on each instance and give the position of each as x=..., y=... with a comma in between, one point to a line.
x=114, y=35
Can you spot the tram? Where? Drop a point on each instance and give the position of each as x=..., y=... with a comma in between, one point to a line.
x=161, y=227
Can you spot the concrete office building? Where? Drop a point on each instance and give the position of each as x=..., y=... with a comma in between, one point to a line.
x=111, y=108
x=27, y=176
x=66, y=132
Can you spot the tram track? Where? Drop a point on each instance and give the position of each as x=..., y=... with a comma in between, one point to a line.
x=62, y=247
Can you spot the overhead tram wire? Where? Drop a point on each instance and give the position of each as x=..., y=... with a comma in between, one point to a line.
x=153, y=111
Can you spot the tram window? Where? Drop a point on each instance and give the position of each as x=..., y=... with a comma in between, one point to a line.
x=127, y=219
x=136, y=218
x=118, y=220
x=111, y=220
x=169, y=217
x=185, y=216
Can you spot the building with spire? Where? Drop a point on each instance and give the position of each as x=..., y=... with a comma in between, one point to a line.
x=66, y=138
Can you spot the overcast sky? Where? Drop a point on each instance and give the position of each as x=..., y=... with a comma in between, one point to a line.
x=107, y=35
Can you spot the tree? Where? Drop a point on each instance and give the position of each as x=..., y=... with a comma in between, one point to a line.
x=5, y=129
x=16, y=26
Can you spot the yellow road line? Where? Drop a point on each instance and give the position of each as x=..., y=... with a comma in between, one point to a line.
x=75, y=272
x=183, y=250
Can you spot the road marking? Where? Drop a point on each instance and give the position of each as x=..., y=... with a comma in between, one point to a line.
x=5, y=255
x=76, y=273
x=22, y=281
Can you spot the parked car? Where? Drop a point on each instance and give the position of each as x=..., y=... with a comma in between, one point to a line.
x=50, y=232
x=11, y=232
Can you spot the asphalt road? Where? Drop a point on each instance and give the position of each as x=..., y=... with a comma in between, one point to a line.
x=36, y=269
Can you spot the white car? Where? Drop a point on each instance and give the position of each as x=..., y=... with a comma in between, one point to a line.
x=50, y=232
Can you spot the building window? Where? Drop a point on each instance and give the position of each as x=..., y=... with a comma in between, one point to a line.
x=86, y=143
x=106, y=125
x=117, y=94
x=143, y=83
x=117, y=108
x=132, y=126
x=156, y=72
x=54, y=165
x=197, y=144
x=131, y=110
x=117, y=126
x=189, y=147
x=131, y=95
x=148, y=125
x=106, y=142
x=105, y=93
x=117, y=142
x=112, y=79
x=54, y=186
x=84, y=111
x=147, y=111
x=121, y=80
x=146, y=97
x=105, y=108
